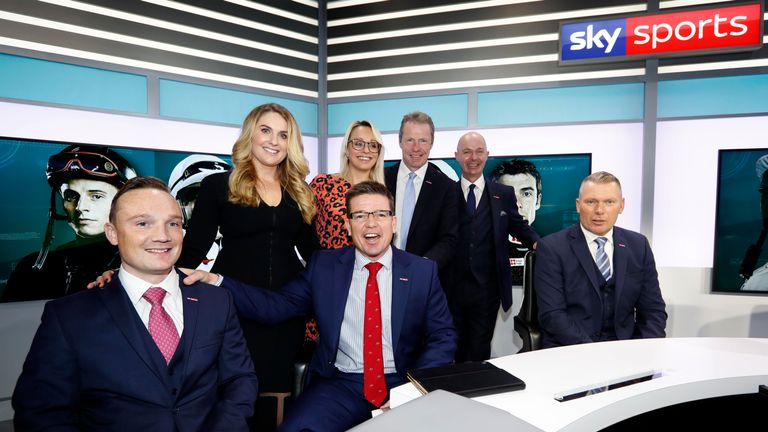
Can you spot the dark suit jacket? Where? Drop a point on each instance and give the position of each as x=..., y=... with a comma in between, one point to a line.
x=94, y=367
x=568, y=288
x=434, y=227
x=422, y=329
x=506, y=221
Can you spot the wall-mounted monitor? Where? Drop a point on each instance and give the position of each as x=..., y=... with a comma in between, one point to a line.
x=741, y=224
x=57, y=200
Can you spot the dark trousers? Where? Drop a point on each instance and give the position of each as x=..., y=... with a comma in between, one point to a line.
x=332, y=404
x=474, y=308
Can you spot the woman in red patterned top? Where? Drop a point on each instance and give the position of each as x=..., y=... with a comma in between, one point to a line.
x=362, y=158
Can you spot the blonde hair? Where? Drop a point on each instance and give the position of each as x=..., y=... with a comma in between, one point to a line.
x=291, y=171
x=601, y=177
x=377, y=172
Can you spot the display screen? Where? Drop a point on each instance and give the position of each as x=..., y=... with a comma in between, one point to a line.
x=57, y=201
x=741, y=225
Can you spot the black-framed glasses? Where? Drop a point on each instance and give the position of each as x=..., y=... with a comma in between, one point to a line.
x=358, y=144
x=378, y=215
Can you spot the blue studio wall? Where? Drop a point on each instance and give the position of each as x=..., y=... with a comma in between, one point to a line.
x=50, y=82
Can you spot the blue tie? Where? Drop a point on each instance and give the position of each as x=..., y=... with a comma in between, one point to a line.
x=601, y=258
x=409, y=202
x=471, y=201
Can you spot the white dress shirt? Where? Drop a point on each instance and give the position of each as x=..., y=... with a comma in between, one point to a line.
x=402, y=179
x=590, y=236
x=349, y=357
x=173, y=303
x=479, y=186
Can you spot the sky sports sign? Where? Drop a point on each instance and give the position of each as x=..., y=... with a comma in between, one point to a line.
x=691, y=32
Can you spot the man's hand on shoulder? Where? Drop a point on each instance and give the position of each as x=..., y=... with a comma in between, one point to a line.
x=200, y=276
x=102, y=280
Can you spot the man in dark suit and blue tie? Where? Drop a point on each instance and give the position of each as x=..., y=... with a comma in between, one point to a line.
x=595, y=281
x=346, y=289
x=424, y=198
x=482, y=273
x=145, y=353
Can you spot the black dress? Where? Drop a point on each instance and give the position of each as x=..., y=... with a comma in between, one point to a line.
x=257, y=248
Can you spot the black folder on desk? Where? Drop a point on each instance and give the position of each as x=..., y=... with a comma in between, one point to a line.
x=467, y=379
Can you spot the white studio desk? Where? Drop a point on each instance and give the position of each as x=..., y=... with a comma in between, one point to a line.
x=690, y=368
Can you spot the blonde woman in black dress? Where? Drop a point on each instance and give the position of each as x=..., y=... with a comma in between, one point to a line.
x=263, y=209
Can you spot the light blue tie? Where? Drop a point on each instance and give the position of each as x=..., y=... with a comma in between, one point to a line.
x=601, y=258
x=409, y=202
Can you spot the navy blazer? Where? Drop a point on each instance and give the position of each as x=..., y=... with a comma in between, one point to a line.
x=434, y=229
x=506, y=221
x=422, y=328
x=568, y=288
x=94, y=367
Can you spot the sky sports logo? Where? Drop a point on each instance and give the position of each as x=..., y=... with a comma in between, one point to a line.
x=734, y=28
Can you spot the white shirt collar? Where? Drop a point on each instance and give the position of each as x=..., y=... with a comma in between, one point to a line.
x=403, y=170
x=361, y=260
x=590, y=236
x=136, y=287
x=479, y=185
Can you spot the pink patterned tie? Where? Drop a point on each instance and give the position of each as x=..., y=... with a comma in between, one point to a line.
x=161, y=326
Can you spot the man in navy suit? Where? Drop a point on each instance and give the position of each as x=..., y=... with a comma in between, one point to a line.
x=119, y=359
x=416, y=327
x=595, y=281
x=482, y=279
x=429, y=228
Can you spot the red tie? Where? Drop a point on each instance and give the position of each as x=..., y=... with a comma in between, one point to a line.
x=374, y=384
x=161, y=326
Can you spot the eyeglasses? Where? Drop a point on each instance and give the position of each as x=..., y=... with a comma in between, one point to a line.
x=358, y=144
x=378, y=215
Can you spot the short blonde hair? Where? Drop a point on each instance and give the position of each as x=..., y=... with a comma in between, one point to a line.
x=601, y=177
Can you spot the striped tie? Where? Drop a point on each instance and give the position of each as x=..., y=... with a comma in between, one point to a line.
x=602, y=258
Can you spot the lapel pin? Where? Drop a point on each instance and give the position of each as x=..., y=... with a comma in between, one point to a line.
x=403, y=279
x=622, y=245
x=496, y=196
x=194, y=299
x=502, y=213
x=427, y=182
